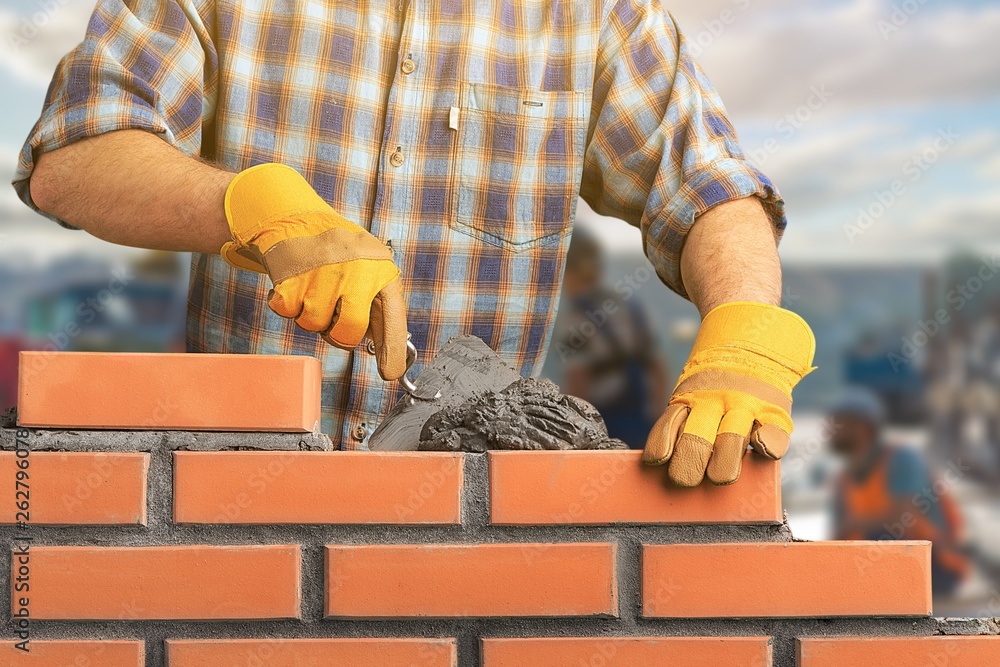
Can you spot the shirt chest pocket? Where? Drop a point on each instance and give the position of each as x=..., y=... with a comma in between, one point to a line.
x=518, y=164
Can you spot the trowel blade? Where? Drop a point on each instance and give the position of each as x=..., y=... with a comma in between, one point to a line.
x=465, y=366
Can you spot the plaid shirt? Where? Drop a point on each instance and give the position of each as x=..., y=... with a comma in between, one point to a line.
x=459, y=131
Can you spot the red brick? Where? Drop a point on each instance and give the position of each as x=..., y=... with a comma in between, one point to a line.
x=189, y=582
x=537, y=488
x=899, y=652
x=628, y=652
x=305, y=652
x=57, y=653
x=397, y=581
x=318, y=487
x=196, y=392
x=787, y=579
x=79, y=488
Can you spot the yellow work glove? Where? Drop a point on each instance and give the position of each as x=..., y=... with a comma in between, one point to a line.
x=735, y=388
x=329, y=274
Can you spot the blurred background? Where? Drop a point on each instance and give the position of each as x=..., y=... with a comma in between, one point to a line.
x=880, y=122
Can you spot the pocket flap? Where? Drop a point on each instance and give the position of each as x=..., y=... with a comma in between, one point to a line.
x=527, y=104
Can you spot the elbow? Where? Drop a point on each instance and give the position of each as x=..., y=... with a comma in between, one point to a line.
x=42, y=186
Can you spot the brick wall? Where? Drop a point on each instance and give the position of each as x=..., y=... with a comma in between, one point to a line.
x=239, y=548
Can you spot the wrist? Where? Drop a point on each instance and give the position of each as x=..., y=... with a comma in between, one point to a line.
x=207, y=208
x=780, y=338
x=264, y=200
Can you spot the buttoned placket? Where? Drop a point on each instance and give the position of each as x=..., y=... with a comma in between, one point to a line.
x=396, y=140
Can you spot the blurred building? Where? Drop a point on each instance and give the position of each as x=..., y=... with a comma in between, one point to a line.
x=604, y=347
x=88, y=303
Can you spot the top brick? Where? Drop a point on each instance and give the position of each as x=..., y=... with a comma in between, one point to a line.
x=192, y=392
x=938, y=651
x=602, y=487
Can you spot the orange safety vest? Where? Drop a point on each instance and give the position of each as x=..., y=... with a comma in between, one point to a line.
x=869, y=501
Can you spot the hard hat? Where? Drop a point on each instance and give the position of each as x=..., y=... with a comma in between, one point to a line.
x=860, y=402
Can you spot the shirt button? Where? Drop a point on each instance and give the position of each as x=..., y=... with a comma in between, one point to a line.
x=396, y=159
x=370, y=347
x=408, y=66
x=360, y=432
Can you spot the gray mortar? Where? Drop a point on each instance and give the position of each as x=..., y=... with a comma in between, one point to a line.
x=464, y=367
x=528, y=414
x=469, y=399
x=475, y=529
x=147, y=441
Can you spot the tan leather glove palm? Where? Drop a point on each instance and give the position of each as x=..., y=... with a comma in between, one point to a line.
x=329, y=274
x=735, y=389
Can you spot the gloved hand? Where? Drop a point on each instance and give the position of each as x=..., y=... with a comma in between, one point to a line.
x=329, y=274
x=736, y=387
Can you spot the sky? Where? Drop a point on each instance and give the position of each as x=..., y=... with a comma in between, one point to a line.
x=884, y=81
x=35, y=35
x=890, y=107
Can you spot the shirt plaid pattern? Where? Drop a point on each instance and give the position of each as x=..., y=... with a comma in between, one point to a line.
x=459, y=131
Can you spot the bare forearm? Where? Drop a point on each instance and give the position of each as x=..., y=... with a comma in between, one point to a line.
x=730, y=255
x=132, y=188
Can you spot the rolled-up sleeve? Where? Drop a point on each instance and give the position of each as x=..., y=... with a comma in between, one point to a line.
x=145, y=65
x=661, y=149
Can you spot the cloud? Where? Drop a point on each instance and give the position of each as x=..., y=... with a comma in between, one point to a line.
x=26, y=237
x=615, y=235
x=766, y=59
x=850, y=163
x=989, y=169
x=36, y=38
x=926, y=223
x=969, y=219
x=11, y=207
x=891, y=89
x=890, y=92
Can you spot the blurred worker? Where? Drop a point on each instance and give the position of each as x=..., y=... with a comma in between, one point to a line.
x=349, y=175
x=964, y=392
x=888, y=492
x=607, y=347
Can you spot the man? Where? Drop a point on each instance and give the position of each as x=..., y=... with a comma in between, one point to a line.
x=889, y=493
x=606, y=347
x=460, y=133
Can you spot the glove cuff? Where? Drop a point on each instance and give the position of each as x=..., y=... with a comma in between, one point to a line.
x=774, y=332
x=268, y=204
x=262, y=196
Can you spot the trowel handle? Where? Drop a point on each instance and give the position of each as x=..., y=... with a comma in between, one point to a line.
x=411, y=358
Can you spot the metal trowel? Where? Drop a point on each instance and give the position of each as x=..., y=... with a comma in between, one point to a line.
x=465, y=366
